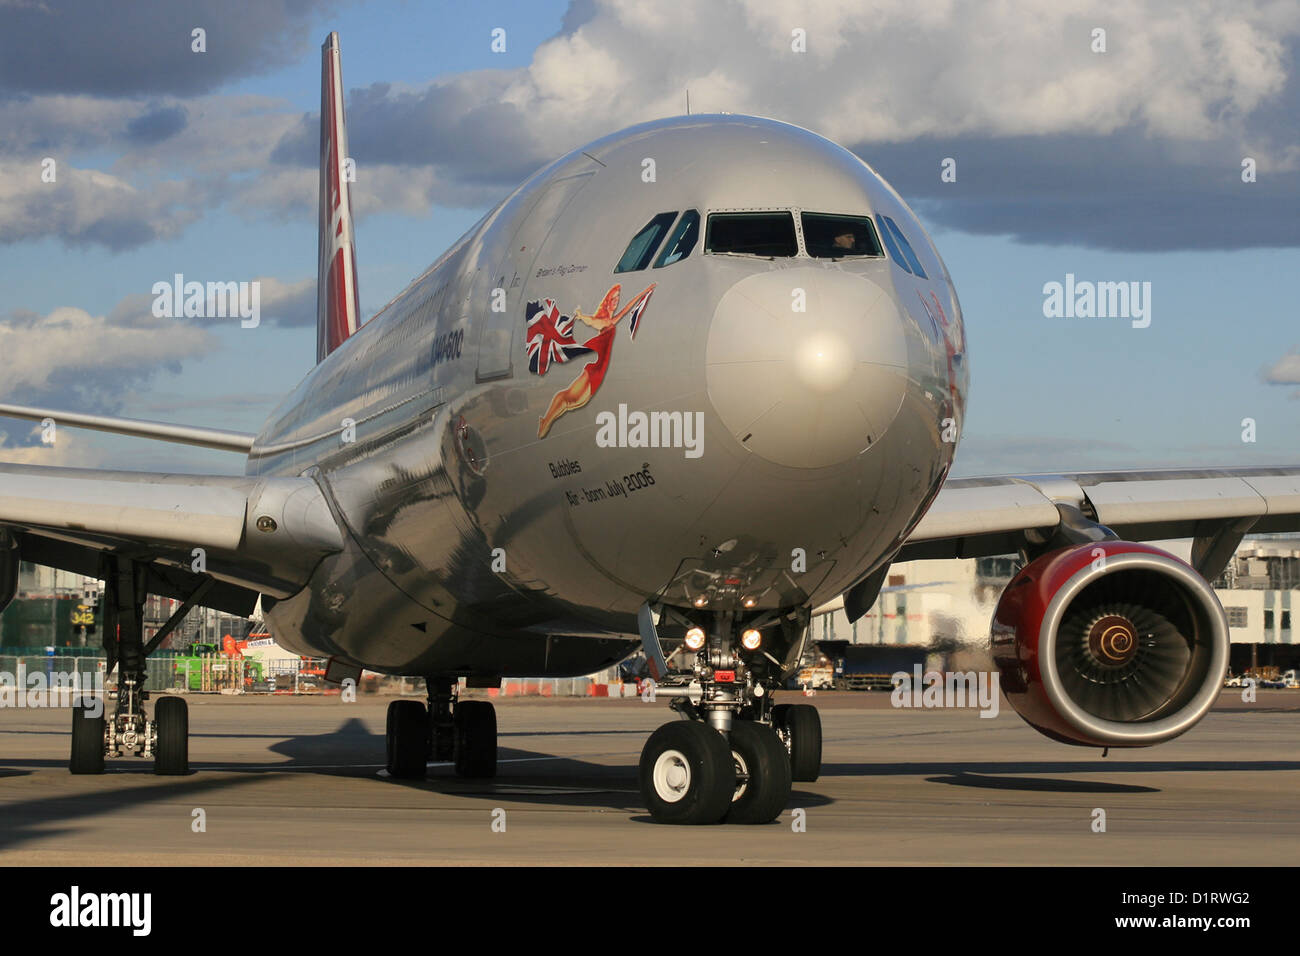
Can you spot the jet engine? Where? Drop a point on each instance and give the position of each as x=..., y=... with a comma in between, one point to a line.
x=1110, y=644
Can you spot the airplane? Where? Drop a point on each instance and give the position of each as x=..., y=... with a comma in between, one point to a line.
x=680, y=386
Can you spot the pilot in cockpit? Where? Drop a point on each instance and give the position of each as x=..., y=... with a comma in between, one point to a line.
x=844, y=243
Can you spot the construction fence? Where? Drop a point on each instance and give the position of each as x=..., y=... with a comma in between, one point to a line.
x=531, y=687
x=217, y=674
x=168, y=671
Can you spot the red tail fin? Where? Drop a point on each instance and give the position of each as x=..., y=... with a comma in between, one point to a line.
x=337, y=309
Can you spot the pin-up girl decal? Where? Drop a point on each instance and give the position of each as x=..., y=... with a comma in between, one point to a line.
x=604, y=320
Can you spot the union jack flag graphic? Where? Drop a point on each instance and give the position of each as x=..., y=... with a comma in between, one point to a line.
x=550, y=336
x=636, y=308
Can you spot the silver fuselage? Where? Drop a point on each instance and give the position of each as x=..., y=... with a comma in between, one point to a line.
x=474, y=546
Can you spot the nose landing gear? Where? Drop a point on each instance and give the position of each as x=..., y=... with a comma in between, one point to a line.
x=734, y=757
x=692, y=774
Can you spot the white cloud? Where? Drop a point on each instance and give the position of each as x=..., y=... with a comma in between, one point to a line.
x=288, y=303
x=1285, y=371
x=279, y=303
x=1200, y=83
x=69, y=450
x=39, y=125
x=91, y=353
x=896, y=69
x=89, y=206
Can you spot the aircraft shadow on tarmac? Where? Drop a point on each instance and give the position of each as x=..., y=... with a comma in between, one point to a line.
x=523, y=776
x=1040, y=784
x=564, y=789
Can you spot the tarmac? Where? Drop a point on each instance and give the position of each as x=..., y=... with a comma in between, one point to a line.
x=279, y=780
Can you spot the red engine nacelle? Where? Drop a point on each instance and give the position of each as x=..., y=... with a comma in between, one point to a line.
x=1110, y=644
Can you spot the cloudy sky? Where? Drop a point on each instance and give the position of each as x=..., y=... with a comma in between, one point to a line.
x=1122, y=165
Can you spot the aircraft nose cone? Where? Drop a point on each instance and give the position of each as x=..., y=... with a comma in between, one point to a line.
x=808, y=388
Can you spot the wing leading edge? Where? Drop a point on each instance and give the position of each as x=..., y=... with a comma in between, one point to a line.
x=1215, y=507
x=976, y=517
x=217, y=438
x=249, y=535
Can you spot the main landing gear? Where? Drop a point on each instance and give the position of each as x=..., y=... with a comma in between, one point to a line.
x=734, y=758
x=463, y=731
x=128, y=731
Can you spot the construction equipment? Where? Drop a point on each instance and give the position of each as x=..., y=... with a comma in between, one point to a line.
x=209, y=668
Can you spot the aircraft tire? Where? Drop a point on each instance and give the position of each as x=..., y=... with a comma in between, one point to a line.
x=758, y=751
x=171, y=752
x=475, y=746
x=801, y=727
x=407, y=739
x=687, y=775
x=87, y=739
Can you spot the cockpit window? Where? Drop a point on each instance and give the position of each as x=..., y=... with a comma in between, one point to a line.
x=901, y=249
x=642, y=248
x=827, y=236
x=768, y=234
x=891, y=243
x=682, y=241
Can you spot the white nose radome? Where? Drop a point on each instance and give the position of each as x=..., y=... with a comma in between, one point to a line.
x=808, y=388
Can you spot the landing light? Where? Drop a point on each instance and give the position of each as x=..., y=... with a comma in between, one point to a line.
x=751, y=639
x=695, y=638
x=701, y=601
x=749, y=602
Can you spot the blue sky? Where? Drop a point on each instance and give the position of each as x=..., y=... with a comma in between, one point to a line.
x=1135, y=179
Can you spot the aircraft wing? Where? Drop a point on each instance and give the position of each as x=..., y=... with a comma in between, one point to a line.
x=250, y=535
x=976, y=517
x=1215, y=507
